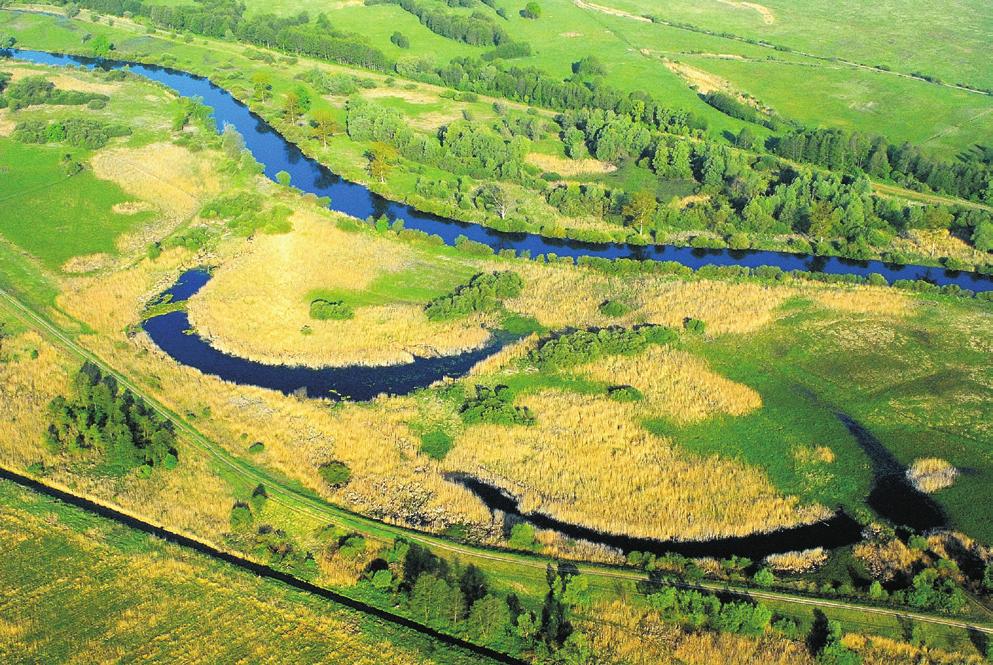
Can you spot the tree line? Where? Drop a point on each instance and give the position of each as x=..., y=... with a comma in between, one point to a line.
x=476, y=29
x=842, y=150
x=225, y=19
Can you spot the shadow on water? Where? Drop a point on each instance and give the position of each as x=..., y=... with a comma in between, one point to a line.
x=171, y=332
x=893, y=496
x=838, y=531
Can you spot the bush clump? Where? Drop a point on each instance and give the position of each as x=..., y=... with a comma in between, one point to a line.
x=330, y=310
x=614, y=308
x=436, y=444
x=496, y=406
x=585, y=345
x=104, y=417
x=77, y=132
x=335, y=474
x=484, y=292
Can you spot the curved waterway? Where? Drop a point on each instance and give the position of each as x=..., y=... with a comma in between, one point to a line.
x=837, y=531
x=277, y=154
x=172, y=333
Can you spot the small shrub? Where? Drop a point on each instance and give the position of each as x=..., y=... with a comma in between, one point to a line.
x=436, y=444
x=625, y=394
x=532, y=10
x=335, y=474
x=614, y=308
x=241, y=517
x=695, y=326
x=256, y=448
x=522, y=537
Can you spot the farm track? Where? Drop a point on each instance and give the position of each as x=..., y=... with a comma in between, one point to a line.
x=302, y=503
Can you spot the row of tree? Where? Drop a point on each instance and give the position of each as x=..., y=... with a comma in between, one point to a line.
x=77, y=132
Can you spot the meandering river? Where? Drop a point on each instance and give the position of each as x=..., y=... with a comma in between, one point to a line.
x=277, y=154
x=171, y=331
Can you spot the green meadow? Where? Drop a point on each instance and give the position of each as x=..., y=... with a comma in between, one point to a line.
x=917, y=384
x=53, y=216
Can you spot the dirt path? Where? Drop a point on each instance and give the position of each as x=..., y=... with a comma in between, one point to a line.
x=764, y=12
x=611, y=11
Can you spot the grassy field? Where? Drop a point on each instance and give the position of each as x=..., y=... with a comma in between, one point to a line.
x=813, y=90
x=80, y=586
x=56, y=217
x=69, y=216
x=946, y=40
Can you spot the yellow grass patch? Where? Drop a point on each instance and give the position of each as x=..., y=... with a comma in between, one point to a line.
x=63, y=81
x=588, y=461
x=132, y=207
x=675, y=385
x=930, y=474
x=877, y=650
x=796, y=563
x=170, y=177
x=866, y=300
x=415, y=96
x=189, y=497
x=87, y=263
x=698, y=79
x=687, y=201
x=939, y=243
x=621, y=634
x=6, y=124
x=767, y=16
x=256, y=305
x=569, y=167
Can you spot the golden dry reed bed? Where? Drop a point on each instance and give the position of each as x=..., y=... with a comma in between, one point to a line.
x=588, y=461
x=657, y=489
x=257, y=303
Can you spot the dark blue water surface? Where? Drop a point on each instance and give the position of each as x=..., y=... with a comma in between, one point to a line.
x=277, y=154
x=172, y=333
